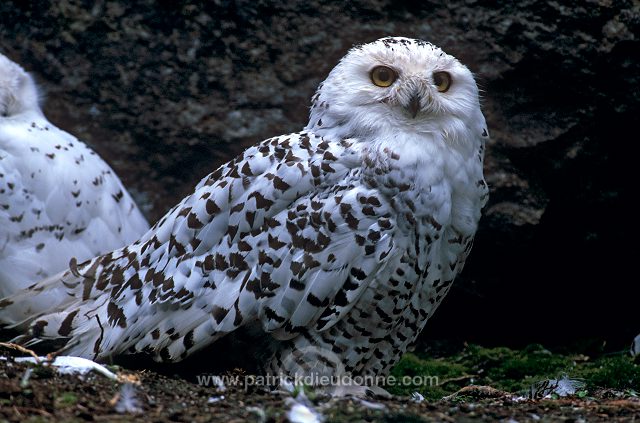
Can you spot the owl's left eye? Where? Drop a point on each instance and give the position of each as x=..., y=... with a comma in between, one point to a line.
x=383, y=76
x=442, y=81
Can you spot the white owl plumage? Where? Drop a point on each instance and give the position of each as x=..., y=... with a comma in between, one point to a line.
x=344, y=237
x=58, y=199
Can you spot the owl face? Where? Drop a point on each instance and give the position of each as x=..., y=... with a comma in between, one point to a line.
x=396, y=83
x=18, y=92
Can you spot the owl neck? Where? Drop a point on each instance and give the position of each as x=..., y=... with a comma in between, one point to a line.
x=425, y=181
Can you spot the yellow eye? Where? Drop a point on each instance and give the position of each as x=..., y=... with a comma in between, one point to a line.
x=383, y=76
x=442, y=81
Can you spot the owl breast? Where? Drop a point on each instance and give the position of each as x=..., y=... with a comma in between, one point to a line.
x=436, y=216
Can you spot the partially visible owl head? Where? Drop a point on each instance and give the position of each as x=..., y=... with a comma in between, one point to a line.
x=396, y=84
x=18, y=91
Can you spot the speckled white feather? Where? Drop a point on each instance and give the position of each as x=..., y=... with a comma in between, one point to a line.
x=58, y=199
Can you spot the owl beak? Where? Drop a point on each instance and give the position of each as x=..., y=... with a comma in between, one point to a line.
x=414, y=105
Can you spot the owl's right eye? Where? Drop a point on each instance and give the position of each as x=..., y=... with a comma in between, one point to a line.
x=383, y=76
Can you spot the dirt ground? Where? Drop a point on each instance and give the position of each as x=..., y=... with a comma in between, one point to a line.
x=47, y=396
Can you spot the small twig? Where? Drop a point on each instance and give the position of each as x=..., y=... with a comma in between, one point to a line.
x=114, y=400
x=129, y=378
x=20, y=348
x=32, y=410
x=15, y=409
x=52, y=355
x=477, y=391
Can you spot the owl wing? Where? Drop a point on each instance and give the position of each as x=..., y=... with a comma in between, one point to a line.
x=58, y=200
x=286, y=235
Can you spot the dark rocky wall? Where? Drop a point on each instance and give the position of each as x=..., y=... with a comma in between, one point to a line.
x=166, y=91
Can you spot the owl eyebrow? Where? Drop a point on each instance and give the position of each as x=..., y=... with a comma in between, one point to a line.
x=381, y=63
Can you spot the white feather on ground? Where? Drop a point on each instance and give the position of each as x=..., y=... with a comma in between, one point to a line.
x=69, y=365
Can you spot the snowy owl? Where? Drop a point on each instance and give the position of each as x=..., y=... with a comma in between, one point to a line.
x=342, y=238
x=58, y=200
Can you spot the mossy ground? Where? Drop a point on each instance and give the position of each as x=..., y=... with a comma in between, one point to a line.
x=609, y=393
x=515, y=371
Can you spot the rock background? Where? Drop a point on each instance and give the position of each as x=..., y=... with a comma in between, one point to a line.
x=167, y=91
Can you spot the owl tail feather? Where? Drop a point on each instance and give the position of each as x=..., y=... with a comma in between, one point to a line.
x=52, y=312
x=90, y=329
x=21, y=309
x=81, y=312
x=71, y=328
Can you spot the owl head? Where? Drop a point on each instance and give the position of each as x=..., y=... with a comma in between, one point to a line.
x=397, y=84
x=18, y=91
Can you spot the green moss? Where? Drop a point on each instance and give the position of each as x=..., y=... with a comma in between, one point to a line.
x=615, y=372
x=66, y=399
x=510, y=370
x=427, y=376
x=515, y=371
x=42, y=372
